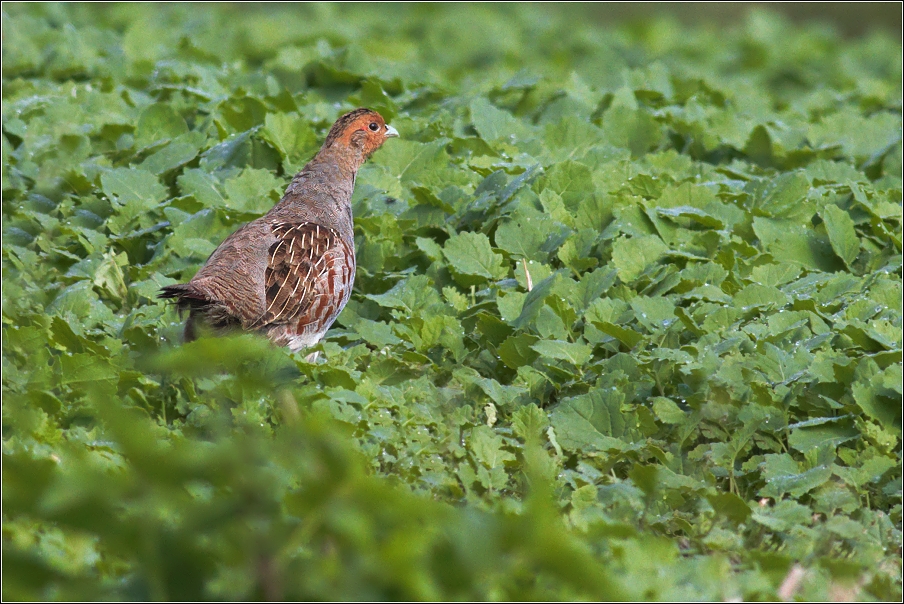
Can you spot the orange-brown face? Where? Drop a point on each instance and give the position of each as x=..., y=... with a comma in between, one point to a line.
x=361, y=129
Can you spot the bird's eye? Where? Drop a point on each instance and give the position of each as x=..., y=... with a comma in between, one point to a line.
x=374, y=126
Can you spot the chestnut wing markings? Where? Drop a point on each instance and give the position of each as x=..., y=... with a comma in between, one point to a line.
x=296, y=264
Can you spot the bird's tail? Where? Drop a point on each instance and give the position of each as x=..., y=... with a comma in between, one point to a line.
x=185, y=295
x=203, y=311
x=189, y=299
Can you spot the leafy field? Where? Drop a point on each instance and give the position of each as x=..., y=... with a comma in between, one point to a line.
x=627, y=321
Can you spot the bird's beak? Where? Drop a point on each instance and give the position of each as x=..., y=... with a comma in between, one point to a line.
x=390, y=131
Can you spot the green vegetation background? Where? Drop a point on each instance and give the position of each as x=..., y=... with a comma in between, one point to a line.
x=627, y=319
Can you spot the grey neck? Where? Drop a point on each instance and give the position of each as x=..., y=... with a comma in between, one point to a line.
x=322, y=193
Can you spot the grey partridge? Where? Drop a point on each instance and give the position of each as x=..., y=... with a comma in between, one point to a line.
x=289, y=273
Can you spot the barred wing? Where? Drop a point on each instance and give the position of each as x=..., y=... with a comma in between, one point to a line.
x=309, y=277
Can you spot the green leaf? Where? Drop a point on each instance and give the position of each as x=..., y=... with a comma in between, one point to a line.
x=572, y=181
x=841, y=232
x=486, y=446
x=510, y=305
x=535, y=299
x=821, y=432
x=859, y=136
x=784, y=516
x=234, y=152
x=632, y=129
x=524, y=237
x=693, y=214
x=408, y=162
x=667, y=411
x=110, y=277
x=576, y=354
x=203, y=187
x=783, y=475
x=884, y=409
x=471, y=254
x=730, y=505
x=775, y=274
x=377, y=333
x=136, y=190
x=529, y=422
x=415, y=295
x=178, y=152
x=592, y=285
x=253, y=191
x=591, y=422
x=158, y=122
x=632, y=256
x=292, y=136
x=757, y=296
x=80, y=370
x=493, y=124
x=784, y=197
x=517, y=351
x=575, y=251
x=654, y=313
x=796, y=243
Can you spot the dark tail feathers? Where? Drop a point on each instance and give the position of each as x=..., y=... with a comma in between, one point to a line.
x=186, y=296
x=187, y=299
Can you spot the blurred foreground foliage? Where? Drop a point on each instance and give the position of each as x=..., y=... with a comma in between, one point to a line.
x=287, y=513
x=627, y=321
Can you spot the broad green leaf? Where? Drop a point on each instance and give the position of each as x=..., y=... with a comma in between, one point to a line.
x=203, y=187
x=517, y=351
x=292, y=136
x=136, y=190
x=493, y=124
x=626, y=336
x=592, y=285
x=510, y=305
x=415, y=295
x=524, y=237
x=654, y=313
x=253, y=191
x=591, y=422
x=819, y=432
x=576, y=354
x=667, y=411
x=870, y=471
x=632, y=256
x=158, y=122
x=784, y=516
x=471, y=254
x=841, y=232
x=730, y=505
x=408, y=162
x=858, y=135
x=377, y=333
x=691, y=213
x=529, y=422
x=234, y=152
x=178, y=152
x=756, y=296
x=784, y=197
x=486, y=446
x=572, y=181
x=632, y=129
x=796, y=243
x=775, y=274
x=882, y=408
x=783, y=476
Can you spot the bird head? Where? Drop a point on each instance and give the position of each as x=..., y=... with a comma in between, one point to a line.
x=362, y=131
